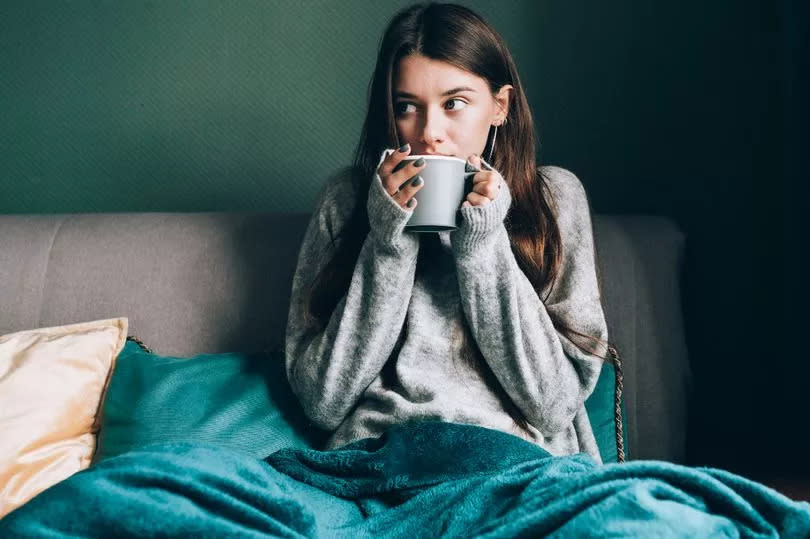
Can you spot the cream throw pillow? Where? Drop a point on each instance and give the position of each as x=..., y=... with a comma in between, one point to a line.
x=52, y=384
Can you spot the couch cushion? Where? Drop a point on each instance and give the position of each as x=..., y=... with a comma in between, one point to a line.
x=25, y=245
x=194, y=283
x=189, y=283
x=232, y=399
x=241, y=401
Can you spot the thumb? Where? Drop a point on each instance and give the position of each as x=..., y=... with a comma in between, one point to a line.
x=475, y=161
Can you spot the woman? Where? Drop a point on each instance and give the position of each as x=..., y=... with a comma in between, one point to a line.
x=497, y=323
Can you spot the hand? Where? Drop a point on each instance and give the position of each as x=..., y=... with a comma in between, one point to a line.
x=404, y=183
x=486, y=184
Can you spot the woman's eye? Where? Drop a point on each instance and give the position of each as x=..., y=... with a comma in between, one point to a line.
x=400, y=108
x=456, y=100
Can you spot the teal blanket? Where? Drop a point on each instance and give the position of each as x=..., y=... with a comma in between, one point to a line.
x=425, y=479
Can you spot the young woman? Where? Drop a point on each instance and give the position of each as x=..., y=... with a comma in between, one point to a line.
x=498, y=323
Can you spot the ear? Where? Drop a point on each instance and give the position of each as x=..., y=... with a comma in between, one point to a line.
x=502, y=100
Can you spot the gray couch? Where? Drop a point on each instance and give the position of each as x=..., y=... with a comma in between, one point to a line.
x=215, y=282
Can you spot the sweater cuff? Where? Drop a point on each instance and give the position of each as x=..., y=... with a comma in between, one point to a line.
x=387, y=220
x=479, y=222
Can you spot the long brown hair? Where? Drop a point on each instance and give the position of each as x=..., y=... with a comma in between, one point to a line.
x=456, y=35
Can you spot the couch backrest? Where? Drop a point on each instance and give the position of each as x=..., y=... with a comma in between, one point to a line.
x=214, y=282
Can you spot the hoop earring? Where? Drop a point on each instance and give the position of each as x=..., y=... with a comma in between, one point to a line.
x=494, y=135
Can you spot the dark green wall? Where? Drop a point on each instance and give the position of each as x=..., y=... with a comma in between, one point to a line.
x=189, y=105
x=689, y=109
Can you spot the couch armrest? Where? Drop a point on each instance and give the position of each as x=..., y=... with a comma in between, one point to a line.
x=639, y=261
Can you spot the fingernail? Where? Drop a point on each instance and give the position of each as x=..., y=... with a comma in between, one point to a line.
x=404, y=148
x=411, y=202
x=417, y=181
x=419, y=162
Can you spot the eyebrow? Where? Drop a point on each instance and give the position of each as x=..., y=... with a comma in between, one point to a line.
x=448, y=92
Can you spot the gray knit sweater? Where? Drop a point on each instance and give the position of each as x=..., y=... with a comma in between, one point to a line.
x=445, y=326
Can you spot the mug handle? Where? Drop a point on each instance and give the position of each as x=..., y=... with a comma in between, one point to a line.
x=468, y=176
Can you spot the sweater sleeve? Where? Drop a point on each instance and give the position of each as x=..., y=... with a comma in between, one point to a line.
x=544, y=373
x=330, y=368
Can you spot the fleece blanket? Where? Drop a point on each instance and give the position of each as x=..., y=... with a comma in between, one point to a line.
x=427, y=479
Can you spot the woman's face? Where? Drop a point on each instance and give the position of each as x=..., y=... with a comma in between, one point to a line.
x=441, y=109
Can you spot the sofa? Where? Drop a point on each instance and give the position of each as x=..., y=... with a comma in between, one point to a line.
x=213, y=282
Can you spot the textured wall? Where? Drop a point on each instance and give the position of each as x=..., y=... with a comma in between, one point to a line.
x=189, y=105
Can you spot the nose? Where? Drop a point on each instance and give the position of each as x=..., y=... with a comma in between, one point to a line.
x=433, y=130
